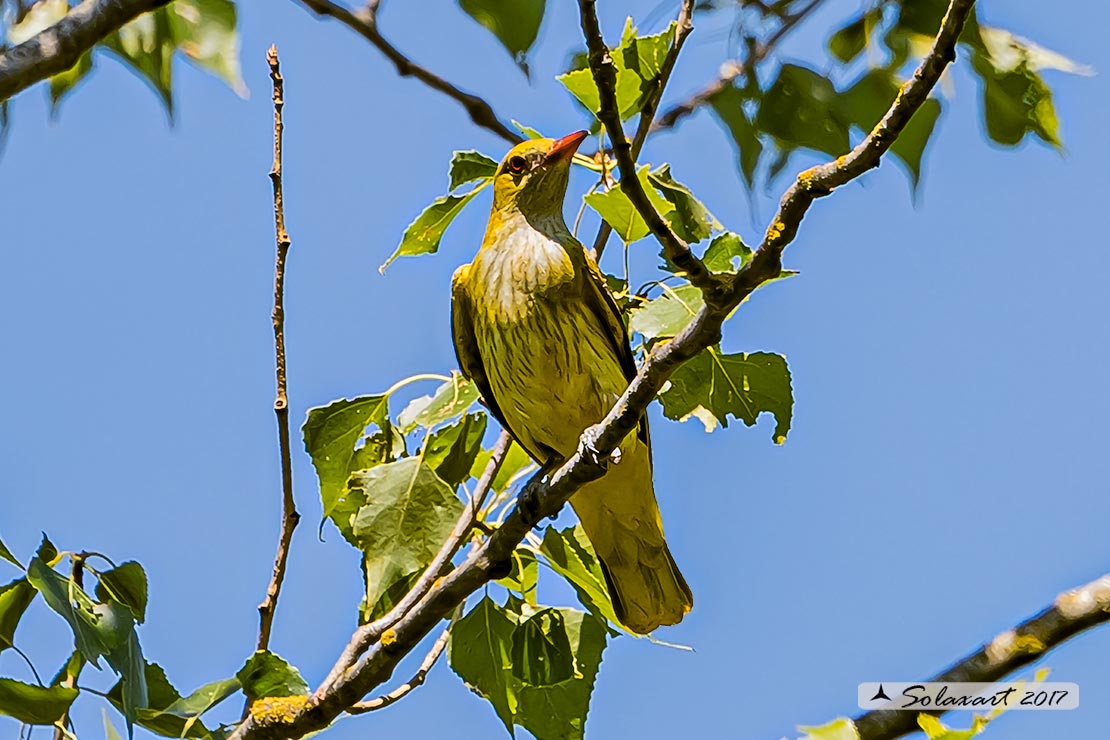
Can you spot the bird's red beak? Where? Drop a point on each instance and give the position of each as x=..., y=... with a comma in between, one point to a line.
x=565, y=147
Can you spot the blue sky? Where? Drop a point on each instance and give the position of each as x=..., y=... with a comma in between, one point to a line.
x=944, y=478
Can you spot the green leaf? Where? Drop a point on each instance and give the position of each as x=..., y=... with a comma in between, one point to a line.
x=6, y=554
x=127, y=585
x=742, y=385
x=160, y=695
x=71, y=671
x=540, y=652
x=867, y=101
x=559, y=711
x=936, y=730
x=62, y=83
x=191, y=707
x=110, y=731
x=35, y=705
x=637, y=62
x=479, y=653
x=515, y=24
x=668, y=314
x=127, y=660
x=1016, y=100
x=451, y=399
x=15, y=597
x=848, y=41
x=147, y=44
x=839, y=729
x=528, y=131
x=409, y=512
x=470, y=165
x=728, y=104
x=516, y=460
x=267, y=675
x=690, y=219
x=800, y=110
x=726, y=253
x=205, y=32
x=524, y=576
x=618, y=211
x=95, y=631
x=330, y=435
x=47, y=552
x=450, y=451
x=571, y=555
x=423, y=235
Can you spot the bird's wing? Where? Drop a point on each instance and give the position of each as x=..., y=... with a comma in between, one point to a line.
x=466, y=345
x=600, y=301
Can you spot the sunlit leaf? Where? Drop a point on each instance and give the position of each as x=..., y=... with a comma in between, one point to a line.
x=839, y=729
x=449, y=400
x=467, y=166
x=408, y=514
x=690, y=219
x=668, y=314
x=516, y=460
x=63, y=83
x=205, y=31
x=524, y=576
x=848, y=41
x=147, y=44
x=618, y=211
x=35, y=705
x=423, y=235
x=726, y=253
x=571, y=555
x=741, y=385
x=6, y=554
x=160, y=695
x=15, y=597
x=450, y=451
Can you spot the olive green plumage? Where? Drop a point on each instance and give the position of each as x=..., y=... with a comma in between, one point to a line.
x=538, y=332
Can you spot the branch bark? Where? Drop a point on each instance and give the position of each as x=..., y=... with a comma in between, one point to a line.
x=58, y=48
x=549, y=495
x=365, y=24
x=1071, y=613
x=683, y=28
x=289, y=515
x=605, y=76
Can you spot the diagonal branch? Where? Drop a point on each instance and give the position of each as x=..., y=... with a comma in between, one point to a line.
x=605, y=76
x=56, y=49
x=683, y=28
x=550, y=494
x=1071, y=613
x=365, y=23
x=731, y=70
x=289, y=515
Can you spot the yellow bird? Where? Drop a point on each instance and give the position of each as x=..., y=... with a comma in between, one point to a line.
x=539, y=333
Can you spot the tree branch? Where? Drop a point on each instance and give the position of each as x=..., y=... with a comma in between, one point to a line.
x=365, y=23
x=56, y=49
x=417, y=679
x=731, y=70
x=289, y=515
x=605, y=76
x=1071, y=613
x=549, y=496
x=367, y=634
x=683, y=27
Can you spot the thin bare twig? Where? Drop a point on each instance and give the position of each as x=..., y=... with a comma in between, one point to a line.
x=365, y=23
x=1072, y=612
x=289, y=515
x=417, y=679
x=550, y=493
x=683, y=27
x=731, y=70
x=58, y=47
x=369, y=633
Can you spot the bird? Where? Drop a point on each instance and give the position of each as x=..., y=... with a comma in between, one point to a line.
x=537, y=331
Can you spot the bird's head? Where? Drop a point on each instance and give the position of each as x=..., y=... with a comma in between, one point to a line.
x=533, y=176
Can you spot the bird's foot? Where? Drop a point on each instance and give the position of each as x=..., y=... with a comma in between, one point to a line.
x=587, y=447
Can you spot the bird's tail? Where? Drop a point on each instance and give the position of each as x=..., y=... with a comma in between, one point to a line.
x=621, y=518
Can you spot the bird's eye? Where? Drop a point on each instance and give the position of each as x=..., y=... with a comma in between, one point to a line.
x=517, y=165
